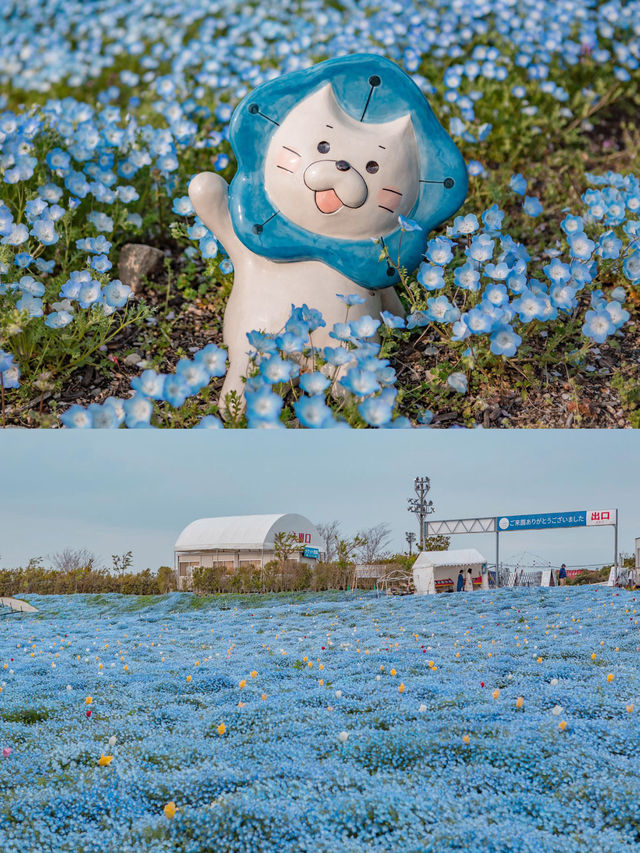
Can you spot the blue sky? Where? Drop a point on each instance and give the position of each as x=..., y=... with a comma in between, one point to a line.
x=117, y=491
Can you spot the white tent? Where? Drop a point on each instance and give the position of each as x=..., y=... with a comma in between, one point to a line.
x=437, y=571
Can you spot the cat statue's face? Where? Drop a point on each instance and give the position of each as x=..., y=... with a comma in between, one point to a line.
x=338, y=177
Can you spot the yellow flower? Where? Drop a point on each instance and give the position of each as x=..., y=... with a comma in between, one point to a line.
x=305, y=659
x=169, y=810
x=496, y=693
x=321, y=682
x=610, y=677
x=264, y=696
x=393, y=672
x=466, y=739
x=539, y=660
x=242, y=683
x=88, y=700
x=630, y=708
x=126, y=668
x=188, y=679
x=321, y=666
x=105, y=760
x=519, y=702
x=593, y=656
x=401, y=688
x=241, y=704
x=221, y=729
x=310, y=664
x=562, y=725
x=253, y=673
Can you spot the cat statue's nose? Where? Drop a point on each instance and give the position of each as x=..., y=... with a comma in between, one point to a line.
x=333, y=189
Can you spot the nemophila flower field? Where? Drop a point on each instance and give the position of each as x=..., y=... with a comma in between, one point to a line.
x=524, y=311
x=504, y=722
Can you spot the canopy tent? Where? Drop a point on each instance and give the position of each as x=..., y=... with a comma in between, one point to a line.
x=437, y=571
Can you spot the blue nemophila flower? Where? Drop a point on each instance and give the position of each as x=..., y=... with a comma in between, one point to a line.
x=175, y=391
x=31, y=304
x=364, y=327
x=89, y=293
x=100, y=263
x=337, y=356
x=263, y=344
x=531, y=206
x=408, y=224
x=529, y=307
x=430, y=276
x=631, y=266
x=598, y=325
x=263, y=404
x=392, y=321
x=208, y=246
x=182, y=206
x=313, y=412
x=149, y=383
x=496, y=294
x=481, y=248
x=351, y=299
x=439, y=250
x=563, y=296
x=475, y=168
x=209, y=422
x=618, y=314
x=28, y=284
x=225, y=266
x=288, y=343
x=375, y=411
x=458, y=381
x=193, y=373
x=492, y=219
x=213, y=359
x=276, y=370
x=137, y=410
x=580, y=246
x=557, y=272
x=417, y=319
x=58, y=319
x=468, y=277
x=572, y=225
x=16, y=235
x=116, y=294
x=504, y=341
x=76, y=417
x=341, y=332
x=609, y=246
x=440, y=310
x=314, y=383
x=465, y=225
x=103, y=416
x=360, y=382
x=518, y=184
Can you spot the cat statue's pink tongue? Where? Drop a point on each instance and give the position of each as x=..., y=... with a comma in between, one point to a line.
x=328, y=201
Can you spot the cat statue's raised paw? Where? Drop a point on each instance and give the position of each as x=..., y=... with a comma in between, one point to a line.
x=328, y=158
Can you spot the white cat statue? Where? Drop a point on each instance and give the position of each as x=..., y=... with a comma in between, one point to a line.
x=328, y=158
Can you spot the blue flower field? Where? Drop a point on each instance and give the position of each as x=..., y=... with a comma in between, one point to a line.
x=523, y=312
x=505, y=721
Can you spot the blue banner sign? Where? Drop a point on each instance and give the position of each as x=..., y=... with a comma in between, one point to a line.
x=313, y=553
x=542, y=520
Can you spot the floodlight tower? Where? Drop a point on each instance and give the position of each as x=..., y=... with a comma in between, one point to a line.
x=410, y=536
x=420, y=505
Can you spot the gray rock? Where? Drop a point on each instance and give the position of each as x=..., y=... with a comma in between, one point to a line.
x=138, y=261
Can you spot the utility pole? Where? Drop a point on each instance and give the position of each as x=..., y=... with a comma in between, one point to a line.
x=420, y=505
x=410, y=536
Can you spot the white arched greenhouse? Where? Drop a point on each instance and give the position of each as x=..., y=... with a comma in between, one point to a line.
x=237, y=541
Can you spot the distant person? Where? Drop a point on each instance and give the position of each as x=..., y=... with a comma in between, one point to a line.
x=460, y=585
x=468, y=583
x=562, y=575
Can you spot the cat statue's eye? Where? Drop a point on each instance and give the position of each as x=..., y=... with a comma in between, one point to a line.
x=324, y=147
x=372, y=167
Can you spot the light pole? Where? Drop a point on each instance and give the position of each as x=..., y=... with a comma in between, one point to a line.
x=420, y=505
x=410, y=536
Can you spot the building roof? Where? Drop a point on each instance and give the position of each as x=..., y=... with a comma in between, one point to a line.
x=242, y=532
x=459, y=557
